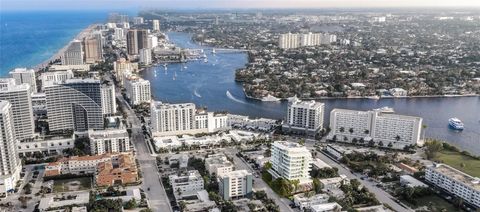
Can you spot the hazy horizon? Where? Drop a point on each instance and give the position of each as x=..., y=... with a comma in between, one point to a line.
x=225, y=4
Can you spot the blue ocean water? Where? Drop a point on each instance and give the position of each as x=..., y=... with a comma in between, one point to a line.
x=29, y=38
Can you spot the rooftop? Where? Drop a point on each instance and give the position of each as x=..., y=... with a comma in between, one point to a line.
x=472, y=182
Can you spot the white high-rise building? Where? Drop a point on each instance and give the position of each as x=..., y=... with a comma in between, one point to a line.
x=155, y=25
x=20, y=100
x=6, y=83
x=75, y=104
x=380, y=125
x=304, y=116
x=152, y=41
x=311, y=39
x=146, y=56
x=235, y=184
x=291, y=161
x=54, y=77
x=73, y=55
x=455, y=182
x=109, y=103
x=119, y=34
x=10, y=165
x=289, y=41
x=108, y=141
x=177, y=119
x=138, y=90
x=23, y=75
x=137, y=20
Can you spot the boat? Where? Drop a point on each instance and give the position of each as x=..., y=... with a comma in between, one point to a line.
x=205, y=60
x=374, y=97
x=213, y=51
x=456, y=124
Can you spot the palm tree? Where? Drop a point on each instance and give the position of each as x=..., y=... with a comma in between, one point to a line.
x=397, y=138
x=366, y=131
x=350, y=130
x=342, y=129
x=424, y=129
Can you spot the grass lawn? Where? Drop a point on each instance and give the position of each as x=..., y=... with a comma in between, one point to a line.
x=434, y=203
x=74, y=184
x=456, y=159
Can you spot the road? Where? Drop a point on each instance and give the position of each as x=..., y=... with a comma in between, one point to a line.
x=380, y=194
x=259, y=184
x=151, y=178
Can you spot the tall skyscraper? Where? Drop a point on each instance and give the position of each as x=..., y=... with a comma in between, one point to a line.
x=93, y=49
x=304, y=116
x=156, y=25
x=23, y=75
x=75, y=104
x=136, y=39
x=20, y=99
x=146, y=56
x=138, y=90
x=10, y=165
x=109, y=105
x=73, y=55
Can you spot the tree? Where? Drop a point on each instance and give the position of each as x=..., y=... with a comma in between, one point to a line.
x=301, y=142
x=350, y=130
x=397, y=138
x=390, y=145
x=317, y=185
x=366, y=131
x=371, y=143
x=131, y=204
x=380, y=144
x=182, y=204
x=432, y=148
x=342, y=129
x=282, y=186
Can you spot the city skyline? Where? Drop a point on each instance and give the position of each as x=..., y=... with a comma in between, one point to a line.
x=222, y=4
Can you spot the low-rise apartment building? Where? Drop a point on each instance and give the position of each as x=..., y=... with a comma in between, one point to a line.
x=235, y=184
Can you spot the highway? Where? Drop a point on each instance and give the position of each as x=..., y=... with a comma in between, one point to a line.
x=157, y=196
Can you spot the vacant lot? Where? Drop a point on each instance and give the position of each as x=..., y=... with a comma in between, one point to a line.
x=433, y=203
x=74, y=184
x=459, y=161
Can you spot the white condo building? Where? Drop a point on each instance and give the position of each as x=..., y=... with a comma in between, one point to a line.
x=235, y=184
x=291, y=161
x=189, y=182
x=138, y=90
x=176, y=119
x=152, y=41
x=20, y=100
x=304, y=116
x=54, y=77
x=119, y=34
x=455, y=182
x=109, y=103
x=108, y=141
x=10, y=165
x=155, y=25
x=146, y=56
x=73, y=55
x=380, y=125
x=23, y=75
x=218, y=164
x=291, y=41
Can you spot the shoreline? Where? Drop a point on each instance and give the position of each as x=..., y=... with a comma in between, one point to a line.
x=364, y=97
x=82, y=34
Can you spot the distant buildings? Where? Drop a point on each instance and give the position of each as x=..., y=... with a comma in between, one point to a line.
x=123, y=68
x=175, y=119
x=291, y=41
x=380, y=126
x=156, y=25
x=23, y=75
x=290, y=161
x=20, y=100
x=136, y=40
x=108, y=141
x=93, y=49
x=235, y=184
x=108, y=169
x=137, y=90
x=11, y=163
x=73, y=55
x=455, y=182
x=137, y=20
x=304, y=117
x=75, y=104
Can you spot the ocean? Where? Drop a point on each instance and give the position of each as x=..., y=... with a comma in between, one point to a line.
x=28, y=38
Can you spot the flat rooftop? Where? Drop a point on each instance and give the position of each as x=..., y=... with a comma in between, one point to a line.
x=472, y=182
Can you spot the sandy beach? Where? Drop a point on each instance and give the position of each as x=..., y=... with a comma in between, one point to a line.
x=57, y=55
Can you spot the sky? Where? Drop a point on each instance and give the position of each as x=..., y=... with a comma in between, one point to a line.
x=218, y=4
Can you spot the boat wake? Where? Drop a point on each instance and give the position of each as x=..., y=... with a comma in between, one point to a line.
x=195, y=92
x=231, y=97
